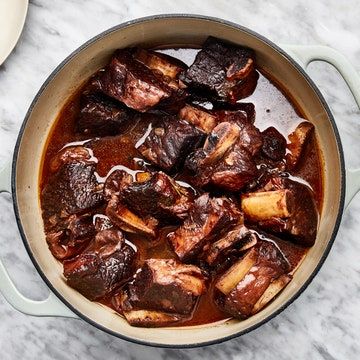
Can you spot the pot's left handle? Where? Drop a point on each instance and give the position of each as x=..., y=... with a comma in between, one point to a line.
x=304, y=55
x=51, y=306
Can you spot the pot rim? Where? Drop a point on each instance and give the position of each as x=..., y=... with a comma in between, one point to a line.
x=125, y=25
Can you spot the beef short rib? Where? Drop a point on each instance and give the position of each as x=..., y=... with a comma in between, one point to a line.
x=159, y=196
x=103, y=267
x=165, y=285
x=101, y=116
x=242, y=285
x=223, y=70
x=72, y=189
x=224, y=160
x=133, y=83
x=67, y=237
x=169, y=142
x=208, y=219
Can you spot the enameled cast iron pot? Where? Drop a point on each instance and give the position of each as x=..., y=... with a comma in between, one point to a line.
x=169, y=31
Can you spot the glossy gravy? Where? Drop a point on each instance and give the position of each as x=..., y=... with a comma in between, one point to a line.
x=273, y=108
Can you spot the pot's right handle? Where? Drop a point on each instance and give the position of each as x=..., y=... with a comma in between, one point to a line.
x=304, y=55
x=51, y=306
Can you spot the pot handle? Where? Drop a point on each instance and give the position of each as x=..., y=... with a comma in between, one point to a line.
x=304, y=55
x=51, y=306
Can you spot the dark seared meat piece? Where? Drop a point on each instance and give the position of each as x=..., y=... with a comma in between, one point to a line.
x=293, y=253
x=100, y=115
x=133, y=83
x=225, y=71
x=274, y=144
x=250, y=137
x=103, y=267
x=245, y=87
x=116, y=182
x=154, y=195
x=234, y=171
x=72, y=189
x=223, y=161
x=159, y=196
x=68, y=237
x=169, y=142
x=165, y=285
x=208, y=219
x=242, y=285
x=139, y=204
x=169, y=69
x=284, y=207
x=72, y=154
x=237, y=240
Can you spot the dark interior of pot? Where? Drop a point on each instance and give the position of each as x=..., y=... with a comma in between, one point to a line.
x=167, y=32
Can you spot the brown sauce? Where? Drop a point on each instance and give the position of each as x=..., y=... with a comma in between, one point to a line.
x=273, y=108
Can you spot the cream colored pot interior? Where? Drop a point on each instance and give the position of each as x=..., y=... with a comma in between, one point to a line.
x=149, y=33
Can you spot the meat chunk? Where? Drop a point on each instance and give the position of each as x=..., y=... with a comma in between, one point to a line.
x=236, y=169
x=250, y=137
x=72, y=154
x=274, y=144
x=164, y=285
x=103, y=267
x=116, y=182
x=223, y=70
x=72, y=189
x=149, y=194
x=208, y=219
x=138, y=204
x=168, y=68
x=293, y=253
x=101, y=116
x=286, y=207
x=220, y=140
x=242, y=114
x=169, y=142
x=242, y=286
x=245, y=87
x=222, y=162
x=299, y=138
x=126, y=220
x=68, y=237
x=131, y=82
x=159, y=196
x=236, y=240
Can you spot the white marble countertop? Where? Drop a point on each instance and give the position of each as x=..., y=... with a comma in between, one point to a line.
x=324, y=323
